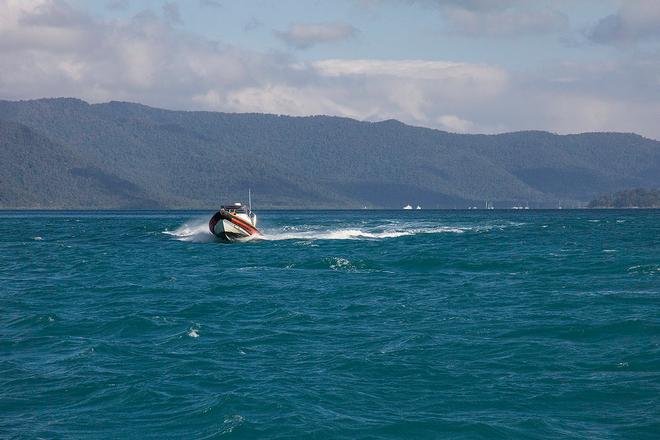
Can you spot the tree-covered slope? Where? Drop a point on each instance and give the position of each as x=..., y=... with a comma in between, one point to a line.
x=632, y=198
x=35, y=172
x=198, y=159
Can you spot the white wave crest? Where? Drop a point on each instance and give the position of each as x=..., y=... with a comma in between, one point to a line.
x=194, y=230
x=355, y=234
x=336, y=234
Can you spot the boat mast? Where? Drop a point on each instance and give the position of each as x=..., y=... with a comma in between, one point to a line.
x=250, y=199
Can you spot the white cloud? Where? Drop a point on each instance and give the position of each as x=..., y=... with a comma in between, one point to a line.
x=454, y=123
x=485, y=78
x=304, y=35
x=415, y=91
x=289, y=100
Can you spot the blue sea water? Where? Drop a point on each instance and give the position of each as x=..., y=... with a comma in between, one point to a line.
x=339, y=324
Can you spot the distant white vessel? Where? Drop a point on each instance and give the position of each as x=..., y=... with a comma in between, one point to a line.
x=408, y=207
x=418, y=207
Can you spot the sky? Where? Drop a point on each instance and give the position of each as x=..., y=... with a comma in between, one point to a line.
x=472, y=66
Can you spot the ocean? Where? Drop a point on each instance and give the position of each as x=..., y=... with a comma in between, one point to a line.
x=337, y=325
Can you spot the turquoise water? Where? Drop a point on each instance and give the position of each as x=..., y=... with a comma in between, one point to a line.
x=346, y=324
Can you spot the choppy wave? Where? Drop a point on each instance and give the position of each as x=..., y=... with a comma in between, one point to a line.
x=111, y=328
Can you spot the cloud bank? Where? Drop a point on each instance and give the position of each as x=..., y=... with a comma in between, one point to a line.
x=51, y=49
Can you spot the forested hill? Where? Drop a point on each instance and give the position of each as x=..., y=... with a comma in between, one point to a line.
x=632, y=198
x=65, y=153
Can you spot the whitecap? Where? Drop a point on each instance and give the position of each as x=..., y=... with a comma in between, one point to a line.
x=232, y=423
x=194, y=230
x=340, y=263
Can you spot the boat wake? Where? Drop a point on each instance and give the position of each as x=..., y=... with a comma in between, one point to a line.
x=194, y=230
x=197, y=230
x=296, y=233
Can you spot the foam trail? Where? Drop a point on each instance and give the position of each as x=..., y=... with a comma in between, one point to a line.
x=336, y=234
x=195, y=230
x=354, y=234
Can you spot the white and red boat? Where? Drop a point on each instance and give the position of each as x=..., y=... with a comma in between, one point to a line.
x=234, y=223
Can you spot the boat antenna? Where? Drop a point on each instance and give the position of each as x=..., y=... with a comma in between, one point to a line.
x=250, y=199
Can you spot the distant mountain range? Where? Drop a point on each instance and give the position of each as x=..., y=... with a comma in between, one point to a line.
x=66, y=153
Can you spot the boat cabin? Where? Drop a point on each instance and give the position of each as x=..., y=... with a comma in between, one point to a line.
x=235, y=208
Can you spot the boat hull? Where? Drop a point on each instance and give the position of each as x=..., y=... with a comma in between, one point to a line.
x=232, y=228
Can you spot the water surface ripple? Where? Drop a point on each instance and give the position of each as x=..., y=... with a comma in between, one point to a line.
x=344, y=324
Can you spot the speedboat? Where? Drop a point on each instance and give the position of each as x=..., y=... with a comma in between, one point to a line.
x=234, y=223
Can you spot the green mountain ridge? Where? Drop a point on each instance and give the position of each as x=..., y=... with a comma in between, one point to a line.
x=66, y=153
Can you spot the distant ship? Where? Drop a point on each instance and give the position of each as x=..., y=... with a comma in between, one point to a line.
x=418, y=207
x=408, y=207
x=234, y=223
